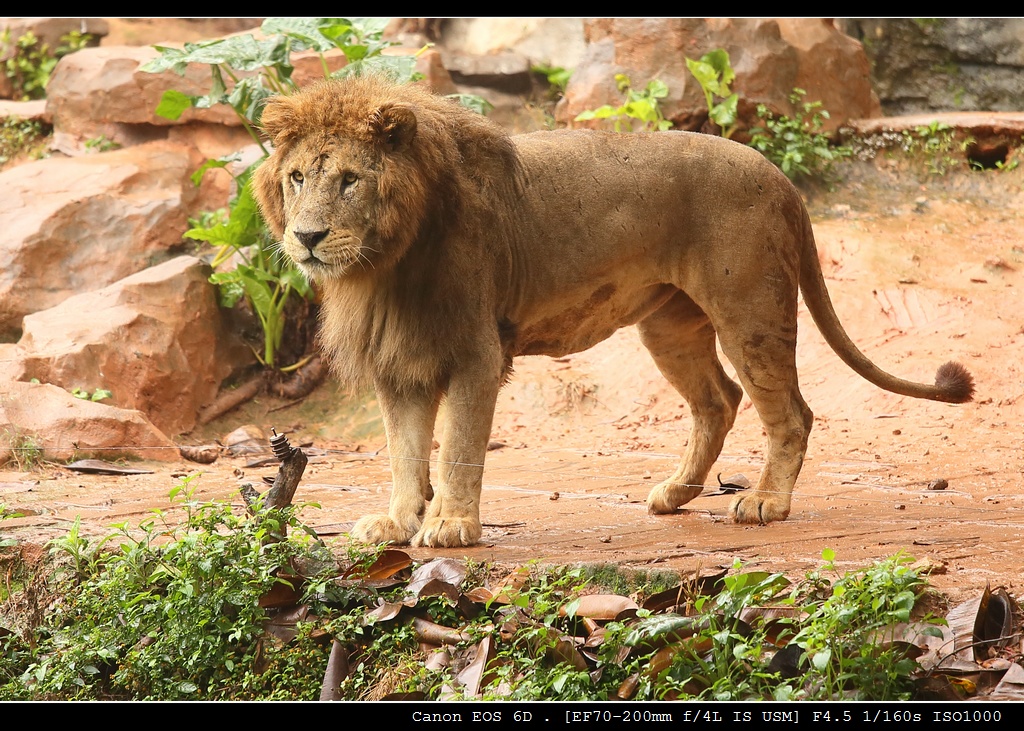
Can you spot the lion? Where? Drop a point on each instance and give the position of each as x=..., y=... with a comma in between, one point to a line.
x=443, y=248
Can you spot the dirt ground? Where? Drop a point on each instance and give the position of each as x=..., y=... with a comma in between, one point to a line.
x=921, y=270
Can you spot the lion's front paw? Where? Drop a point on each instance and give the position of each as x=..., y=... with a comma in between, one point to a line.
x=448, y=532
x=380, y=529
x=755, y=508
x=668, y=496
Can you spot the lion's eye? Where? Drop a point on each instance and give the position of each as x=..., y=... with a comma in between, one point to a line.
x=297, y=177
x=349, y=178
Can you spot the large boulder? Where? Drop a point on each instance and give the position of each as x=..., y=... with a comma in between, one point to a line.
x=46, y=418
x=156, y=340
x=944, y=64
x=770, y=57
x=103, y=91
x=76, y=224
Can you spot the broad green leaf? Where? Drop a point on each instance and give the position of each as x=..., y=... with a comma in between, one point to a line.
x=220, y=162
x=471, y=101
x=304, y=32
x=724, y=113
x=173, y=104
x=718, y=59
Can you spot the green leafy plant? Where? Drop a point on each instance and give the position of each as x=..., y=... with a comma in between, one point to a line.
x=101, y=144
x=24, y=449
x=98, y=395
x=19, y=136
x=30, y=62
x=847, y=637
x=937, y=145
x=796, y=144
x=260, y=274
x=641, y=107
x=714, y=73
x=172, y=611
x=556, y=76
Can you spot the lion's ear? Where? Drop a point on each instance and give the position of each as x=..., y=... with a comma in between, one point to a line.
x=278, y=116
x=266, y=189
x=394, y=126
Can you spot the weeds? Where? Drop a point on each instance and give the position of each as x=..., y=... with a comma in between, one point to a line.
x=797, y=145
x=32, y=61
x=714, y=73
x=98, y=395
x=24, y=450
x=21, y=136
x=639, y=107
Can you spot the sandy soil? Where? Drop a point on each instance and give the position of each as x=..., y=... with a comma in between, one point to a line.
x=921, y=270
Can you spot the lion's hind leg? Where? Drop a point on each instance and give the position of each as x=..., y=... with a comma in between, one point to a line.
x=765, y=355
x=681, y=340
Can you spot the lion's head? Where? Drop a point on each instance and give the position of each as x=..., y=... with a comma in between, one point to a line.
x=361, y=168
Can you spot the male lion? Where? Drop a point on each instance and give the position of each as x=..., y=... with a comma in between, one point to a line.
x=443, y=248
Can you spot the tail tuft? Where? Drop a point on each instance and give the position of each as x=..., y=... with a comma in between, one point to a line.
x=956, y=383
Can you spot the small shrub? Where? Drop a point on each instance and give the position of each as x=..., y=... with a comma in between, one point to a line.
x=797, y=145
x=21, y=136
x=639, y=107
x=714, y=73
x=30, y=65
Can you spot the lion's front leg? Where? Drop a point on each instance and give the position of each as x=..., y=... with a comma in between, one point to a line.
x=409, y=425
x=453, y=517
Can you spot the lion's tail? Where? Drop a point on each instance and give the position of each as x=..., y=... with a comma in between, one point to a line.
x=953, y=382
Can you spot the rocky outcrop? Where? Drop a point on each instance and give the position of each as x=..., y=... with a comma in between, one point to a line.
x=155, y=340
x=103, y=91
x=770, y=57
x=51, y=422
x=944, y=64
x=76, y=224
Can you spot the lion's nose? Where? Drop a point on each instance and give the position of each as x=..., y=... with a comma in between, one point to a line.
x=310, y=239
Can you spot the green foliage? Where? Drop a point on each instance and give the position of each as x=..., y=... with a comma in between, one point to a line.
x=797, y=144
x=172, y=613
x=31, y=63
x=165, y=612
x=101, y=144
x=847, y=638
x=98, y=395
x=260, y=274
x=25, y=451
x=20, y=135
x=714, y=74
x=937, y=146
x=256, y=69
x=557, y=77
x=639, y=107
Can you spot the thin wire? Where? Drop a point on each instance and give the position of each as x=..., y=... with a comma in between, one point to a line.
x=569, y=474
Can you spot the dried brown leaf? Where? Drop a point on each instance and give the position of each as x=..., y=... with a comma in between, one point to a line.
x=385, y=611
x=283, y=594
x=447, y=570
x=437, y=634
x=472, y=677
x=337, y=671
x=388, y=563
x=101, y=467
x=602, y=606
x=284, y=625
